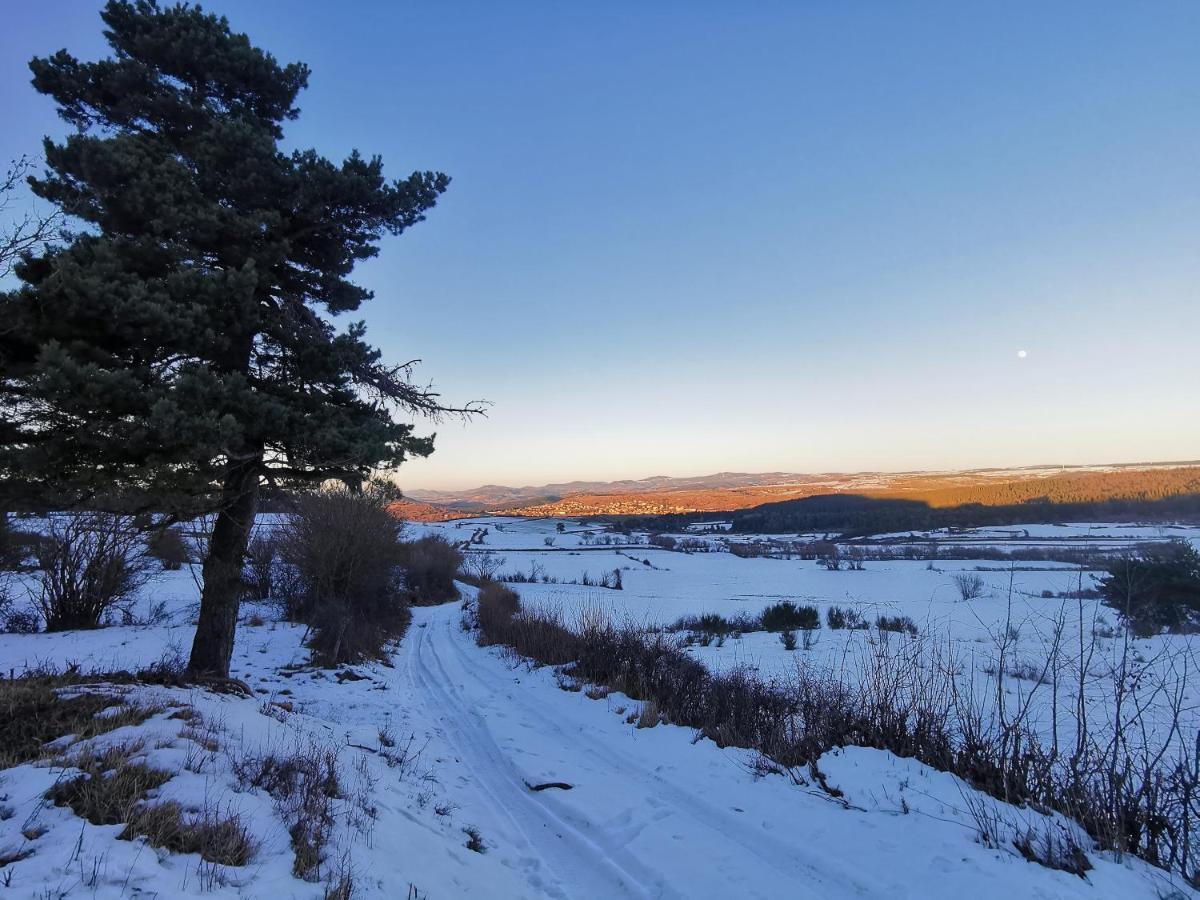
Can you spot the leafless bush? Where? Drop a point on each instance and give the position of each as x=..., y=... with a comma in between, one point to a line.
x=260, y=572
x=482, y=567
x=538, y=636
x=304, y=786
x=168, y=546
x=970, y=587
x=497, y=605
x=89, y=564
x=1055, y=847
x=430, y=565
x=828, y=556
x=342, y=553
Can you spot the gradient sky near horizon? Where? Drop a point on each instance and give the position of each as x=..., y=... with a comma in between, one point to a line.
x=685, y=237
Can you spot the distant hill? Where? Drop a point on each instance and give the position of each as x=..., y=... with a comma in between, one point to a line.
x=734, y=491
x=421, y=512
x=496, y=496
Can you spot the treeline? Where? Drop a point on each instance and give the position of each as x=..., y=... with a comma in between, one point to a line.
x=1063, y=488
x=853, y=515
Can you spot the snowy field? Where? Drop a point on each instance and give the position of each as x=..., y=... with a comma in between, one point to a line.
x=651, y=812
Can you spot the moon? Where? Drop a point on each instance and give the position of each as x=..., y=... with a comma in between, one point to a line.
x=1021, y=354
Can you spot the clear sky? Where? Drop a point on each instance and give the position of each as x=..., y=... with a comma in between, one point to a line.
x=685, y=237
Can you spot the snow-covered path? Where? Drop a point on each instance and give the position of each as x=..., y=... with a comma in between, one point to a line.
x=652, y=814
x=566, y=847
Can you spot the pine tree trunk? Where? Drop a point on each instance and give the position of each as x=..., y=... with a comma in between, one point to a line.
x=212, y=647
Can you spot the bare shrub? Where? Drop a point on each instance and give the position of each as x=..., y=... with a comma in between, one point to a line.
x=497, y=605
x=90, y=564
x=1055, y=847
x=474, y=839
x=970, y=587
x=430, y=565
x=168, y=546
x=259, y=574
x=343, y=555
x=828, y=555
x=21, y=621
x=538, y=636
x=481, y=567
x=304, y=786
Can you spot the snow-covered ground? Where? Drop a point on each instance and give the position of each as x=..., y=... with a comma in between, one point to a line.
x=1027, y=609
x=651, y=812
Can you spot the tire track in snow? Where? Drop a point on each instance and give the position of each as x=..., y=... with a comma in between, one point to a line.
x=579, y=865
x=809, y=870
x=756, y=847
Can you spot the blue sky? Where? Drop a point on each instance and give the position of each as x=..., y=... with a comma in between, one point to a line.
x=691, y=237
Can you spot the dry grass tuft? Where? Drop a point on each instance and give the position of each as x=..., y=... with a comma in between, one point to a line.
x=110, y=787
x=33, y=711
x=305, y=786
x=221, y=840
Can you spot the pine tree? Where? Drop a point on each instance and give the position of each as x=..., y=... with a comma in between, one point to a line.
x=179, y=347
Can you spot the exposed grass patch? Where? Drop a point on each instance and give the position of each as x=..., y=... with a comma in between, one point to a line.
x=110, y=787
x=34, y=710
x=221, y=840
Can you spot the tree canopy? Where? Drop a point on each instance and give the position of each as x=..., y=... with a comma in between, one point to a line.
x=179, y=345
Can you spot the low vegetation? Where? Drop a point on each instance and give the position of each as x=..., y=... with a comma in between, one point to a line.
x=430, y=565
x=342, y=553
x=223, y=840
x=169, y=547
x=1156, y=589
x=906, y=697
x=306, y=788
x=41, y=707
x=88, y=566
x=110, y=787
x=782, y=617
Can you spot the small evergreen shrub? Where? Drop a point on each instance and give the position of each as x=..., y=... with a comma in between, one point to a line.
x=787, y=616
x=902, y=624
x=837, y=617
x=1155, y=589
